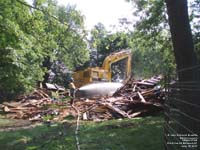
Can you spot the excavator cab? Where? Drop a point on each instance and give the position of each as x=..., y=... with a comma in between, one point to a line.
x=90, y=75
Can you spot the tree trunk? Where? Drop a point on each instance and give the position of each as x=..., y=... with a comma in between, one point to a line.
x=181, y=34
x=186, y=60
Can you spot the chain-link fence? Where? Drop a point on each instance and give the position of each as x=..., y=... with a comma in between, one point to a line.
x=182, y=110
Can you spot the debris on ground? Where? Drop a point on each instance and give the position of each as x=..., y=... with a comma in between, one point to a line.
x=134, y=98
x=37, y=106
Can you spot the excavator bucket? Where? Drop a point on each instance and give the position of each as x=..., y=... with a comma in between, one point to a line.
x=97, y=89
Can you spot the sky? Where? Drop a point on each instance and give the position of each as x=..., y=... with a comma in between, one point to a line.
x=105, y=11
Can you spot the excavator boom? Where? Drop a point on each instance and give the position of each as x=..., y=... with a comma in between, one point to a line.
x=116, y=57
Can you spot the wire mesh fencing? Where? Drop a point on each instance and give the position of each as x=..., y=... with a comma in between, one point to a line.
x=182, y=110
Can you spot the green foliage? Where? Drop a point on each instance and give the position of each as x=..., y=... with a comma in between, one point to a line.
x=153, y=51
x=195, y=23
x=105, y=43
x=32, y=39
x=72, y=39
x=152, y=55
x=151, y=44
x=19, y=64
x=97, y=33
x=150, y=41
x=47, y=117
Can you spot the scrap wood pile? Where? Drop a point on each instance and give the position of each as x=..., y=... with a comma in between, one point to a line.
x=135, y=98
x=35, y=107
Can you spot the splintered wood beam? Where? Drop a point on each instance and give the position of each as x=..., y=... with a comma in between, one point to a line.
x=141, y=97
x=134, y=87
x=135, y=114
x=115, y=109
x=144, y=83
x=85, y=116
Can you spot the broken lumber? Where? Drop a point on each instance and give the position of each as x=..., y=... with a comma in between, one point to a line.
x=135, y=98
x=141, y=97
x=117, y=110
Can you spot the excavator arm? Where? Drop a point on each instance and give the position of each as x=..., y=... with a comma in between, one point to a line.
x=116, y=57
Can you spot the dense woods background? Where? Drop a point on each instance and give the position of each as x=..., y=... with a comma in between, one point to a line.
x=44, y=42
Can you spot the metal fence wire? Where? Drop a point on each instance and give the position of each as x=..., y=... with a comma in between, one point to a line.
x=182, y=110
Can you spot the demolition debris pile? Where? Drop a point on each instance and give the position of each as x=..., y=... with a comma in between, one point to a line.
x=37, y=106
x=135, y=98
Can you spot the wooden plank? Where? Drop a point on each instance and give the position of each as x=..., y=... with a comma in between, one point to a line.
x=6, y=109
x=115, y=109
x=144, y=83
x=134, y=87
x=85, y=116
x=141, y=97
x=135, y=114
x=11, y=104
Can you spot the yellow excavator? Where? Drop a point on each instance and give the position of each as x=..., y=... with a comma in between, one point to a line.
x=106, y=72
x=104, y=81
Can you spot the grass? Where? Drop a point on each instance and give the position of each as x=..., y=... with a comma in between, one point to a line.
x=135, y=134
x=6, y=123
x=127, y=134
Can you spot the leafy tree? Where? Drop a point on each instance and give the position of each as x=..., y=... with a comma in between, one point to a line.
x=97, y=33
x=152, y=50
x=33, y=38
x=72, y=39
x=152, y=54
x=195, y=25
x=68, y=35
x=105, y=42
x=19, y=61
x=152, y=40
